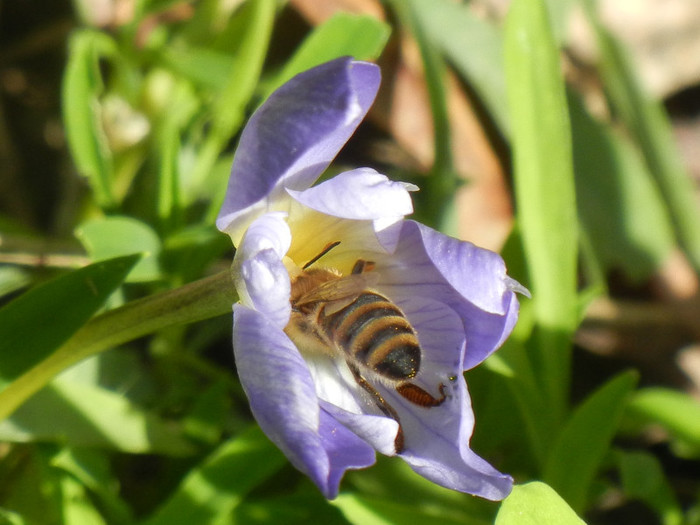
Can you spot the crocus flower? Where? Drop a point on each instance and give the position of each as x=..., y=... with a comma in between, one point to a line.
x=323, y=406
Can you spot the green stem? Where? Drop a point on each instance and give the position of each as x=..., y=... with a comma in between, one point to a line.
x=193, y=302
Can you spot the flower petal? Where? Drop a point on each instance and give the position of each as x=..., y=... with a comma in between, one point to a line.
x=260, y=276
x=294, y=135
x=437, y=444
x=288, y=410
x=342, y=397
x=345, y=451
x=378, y=431
x=479, y=275
x=360, y=194
x=428, y=264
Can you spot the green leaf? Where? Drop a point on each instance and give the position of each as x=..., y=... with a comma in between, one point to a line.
x=545, y=194
x=643, y=478
x=203, y=66
x=619, y=204
x=76, y=504
x=8, y=517
x=364, y=510
x=646, y=119
x=12, y=278
x=536, y=503
x=304, y=506
x=228, y=107
x=39, y=321
x=583, y=442
x=376, y=486
x=211, y=491
x=344, y=34
x=110, y=237
x=677, y=412
x=93, y=469
x=80, y=414
x=196, y=301
x=82, y=87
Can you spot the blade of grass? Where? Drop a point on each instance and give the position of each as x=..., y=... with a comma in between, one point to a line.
x=583, y=442
x=211, y=491
x=646, y=120
x=544, y=188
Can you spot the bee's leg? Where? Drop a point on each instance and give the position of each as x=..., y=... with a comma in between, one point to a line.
x=381, y=403
x=362, y=266
x=420, y=397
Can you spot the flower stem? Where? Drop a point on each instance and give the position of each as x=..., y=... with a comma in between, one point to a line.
x=195, y=301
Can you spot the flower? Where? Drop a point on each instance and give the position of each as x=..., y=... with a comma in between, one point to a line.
x=328, y=408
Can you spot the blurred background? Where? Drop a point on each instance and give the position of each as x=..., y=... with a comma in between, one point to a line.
x=118, y=125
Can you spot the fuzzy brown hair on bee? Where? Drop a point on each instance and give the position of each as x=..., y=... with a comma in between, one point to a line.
x=343, y=316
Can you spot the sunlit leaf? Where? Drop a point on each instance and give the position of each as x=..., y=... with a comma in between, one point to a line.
x=583, y=442
x=76, y=504
x=344, y=34
x=12, y=279
x=87, y=415
x=37, y=322
x=545, y=194
x=643, y=478
x=676, y=411
x=82, y=87
x=647, y=121
x=92, y=468
x=212, y=490
x=364, y=510
x=110, y=237
x=619, y=204
x=536, y=503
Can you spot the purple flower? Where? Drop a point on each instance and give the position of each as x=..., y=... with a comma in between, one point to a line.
x=354, y=325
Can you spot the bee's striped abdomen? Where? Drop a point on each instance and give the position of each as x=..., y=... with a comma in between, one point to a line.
x=376, y=333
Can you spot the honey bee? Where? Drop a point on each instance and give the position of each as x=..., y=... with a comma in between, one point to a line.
x=343, y=316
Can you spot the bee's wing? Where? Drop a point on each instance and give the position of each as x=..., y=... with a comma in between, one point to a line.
x=343, y=288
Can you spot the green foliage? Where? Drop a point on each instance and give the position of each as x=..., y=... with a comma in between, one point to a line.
x=545, y=191
x=584, y=440
x=212, y=490
x=113, y=236
x=85, y=290
x=119, y=402
x=535, y=503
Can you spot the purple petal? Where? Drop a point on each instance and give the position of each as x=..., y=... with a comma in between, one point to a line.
x=345, y=451
x=441, y=336
x=360, y=194
x=343, y=398
x=468, y=279
x=379, y=431
x=295, y=134
x=437, y=444
x=479, y=275
x=283, y=400
x=260, y=276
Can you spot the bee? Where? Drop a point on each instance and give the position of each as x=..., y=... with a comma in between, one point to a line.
x=343, y=316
